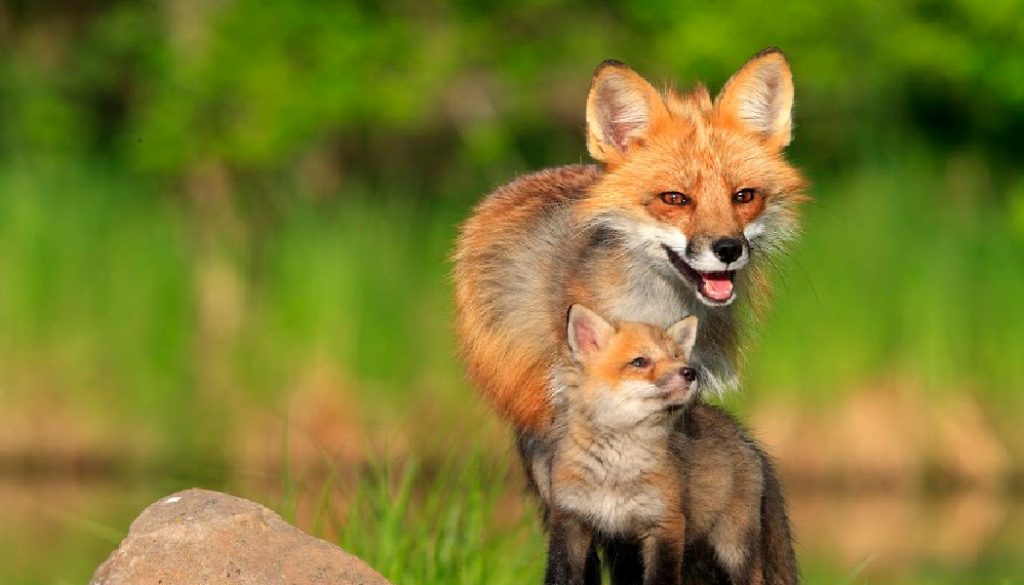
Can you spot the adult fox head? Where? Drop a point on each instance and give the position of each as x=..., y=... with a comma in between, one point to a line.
x=698, y=185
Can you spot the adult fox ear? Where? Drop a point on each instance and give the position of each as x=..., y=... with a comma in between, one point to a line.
x=587, y=332
x=685, y=334
x=621, y=107
x=759, y=98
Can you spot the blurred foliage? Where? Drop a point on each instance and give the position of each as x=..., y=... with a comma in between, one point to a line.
x=202, y=198
x=383, y=86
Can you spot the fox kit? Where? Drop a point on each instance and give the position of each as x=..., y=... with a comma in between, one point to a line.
x=633, y=458
x=689, y=195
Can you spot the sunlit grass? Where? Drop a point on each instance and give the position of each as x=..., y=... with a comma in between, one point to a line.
x=903, y=268
x=899, y=269
x=445, y=527
x=461, y=524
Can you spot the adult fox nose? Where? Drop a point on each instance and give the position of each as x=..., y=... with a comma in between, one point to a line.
x=727, y=249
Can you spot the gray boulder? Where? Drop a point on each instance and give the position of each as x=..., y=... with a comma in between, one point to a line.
x=199, y=537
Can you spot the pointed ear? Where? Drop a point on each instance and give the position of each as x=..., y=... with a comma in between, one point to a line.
x=685, y=334
x=759, y=98
x=620, y=109
x=587, y=331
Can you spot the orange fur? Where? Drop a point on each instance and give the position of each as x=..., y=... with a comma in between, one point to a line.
x=530, y=249
x=631, y=340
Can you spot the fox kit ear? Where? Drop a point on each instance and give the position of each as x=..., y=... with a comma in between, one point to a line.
x=759, y=97
x=685, y=333
x=620, y=109
x=587, y=331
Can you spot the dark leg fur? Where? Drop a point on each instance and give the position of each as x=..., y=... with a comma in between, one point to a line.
x=530, y=448
x=569, y=551
x=593, y=568
x=778, y=558
x=624, y=562
x=701, y=566
x=751, y=572
x=663, y=561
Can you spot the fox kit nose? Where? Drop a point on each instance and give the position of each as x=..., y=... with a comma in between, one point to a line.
x=727, y=249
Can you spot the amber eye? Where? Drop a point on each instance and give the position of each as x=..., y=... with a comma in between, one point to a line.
x=744, y=195
x=640, y=362
x=689, y=374
x=674, y=198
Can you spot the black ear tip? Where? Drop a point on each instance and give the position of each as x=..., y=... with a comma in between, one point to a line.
x=770, y=51
x=610, y=63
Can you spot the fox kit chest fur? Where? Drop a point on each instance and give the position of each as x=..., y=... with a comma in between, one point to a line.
x=690, y=194
x=634, y=458
x=622, y=483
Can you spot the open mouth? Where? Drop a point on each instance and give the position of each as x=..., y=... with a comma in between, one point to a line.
x=714, y=288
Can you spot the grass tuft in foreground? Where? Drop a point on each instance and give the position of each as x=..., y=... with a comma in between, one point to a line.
x=459, y=524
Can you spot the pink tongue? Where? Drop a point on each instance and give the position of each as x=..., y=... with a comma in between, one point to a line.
x=717, y=285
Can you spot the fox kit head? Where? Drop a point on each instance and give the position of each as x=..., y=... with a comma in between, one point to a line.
x=629, y=374
x=698, y=186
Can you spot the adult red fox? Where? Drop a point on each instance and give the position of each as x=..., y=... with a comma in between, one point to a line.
x=689, y=195
x=632, y=457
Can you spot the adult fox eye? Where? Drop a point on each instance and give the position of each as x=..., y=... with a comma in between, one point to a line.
x=674, y=198
x=640, y=362
x=689, y=374
x=744, y=195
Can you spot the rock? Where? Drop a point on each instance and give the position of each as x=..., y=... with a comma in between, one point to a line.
x=198, y=537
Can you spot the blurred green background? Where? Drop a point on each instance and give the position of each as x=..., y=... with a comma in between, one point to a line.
x=224, y=230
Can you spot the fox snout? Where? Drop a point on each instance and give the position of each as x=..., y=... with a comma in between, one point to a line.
x=717, y=252
x=676, y=385
x=727, y=250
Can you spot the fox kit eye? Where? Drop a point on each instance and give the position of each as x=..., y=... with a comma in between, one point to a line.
x=744, y=195
x=674, y=198
x=640, y=362
x=689, y=374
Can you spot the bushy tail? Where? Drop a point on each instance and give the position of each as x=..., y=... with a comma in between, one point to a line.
x=779, y=560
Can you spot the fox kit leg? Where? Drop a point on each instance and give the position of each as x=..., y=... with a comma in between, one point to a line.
x=777, y=556
x=753, y=572
x=569, y=551
x=664, y=546
x=663, y=559
x=701, y=565
x=625, y=561
x=740, y=554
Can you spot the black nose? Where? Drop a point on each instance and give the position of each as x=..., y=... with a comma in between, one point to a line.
x=727, y=249
x=689, y=374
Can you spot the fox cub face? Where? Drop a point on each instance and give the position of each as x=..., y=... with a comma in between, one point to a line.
x=700, y=186
x=630, y=374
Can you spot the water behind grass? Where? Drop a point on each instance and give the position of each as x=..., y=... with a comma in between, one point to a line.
x=470, y=523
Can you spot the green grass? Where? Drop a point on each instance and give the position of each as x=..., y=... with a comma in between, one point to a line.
x=453, y=525
x=901, y=267
x=447, y=527
x=460, y=522
x=96, y=299
x=912, y=267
